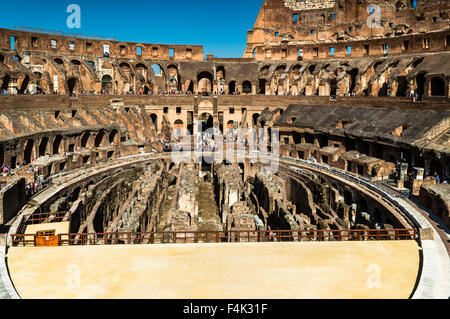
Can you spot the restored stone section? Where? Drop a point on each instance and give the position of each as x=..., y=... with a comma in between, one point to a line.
x=437, y=199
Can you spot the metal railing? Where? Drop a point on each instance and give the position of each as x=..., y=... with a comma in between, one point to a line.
x=257, y=236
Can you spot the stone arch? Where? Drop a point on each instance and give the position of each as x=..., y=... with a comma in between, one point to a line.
x=57, y=144
x=246, y=87
x=173, y=81
x=204, y=82
x=5, y=84
x=383, y=91
x=232, y=87
x=262, y=86
x=353, y=79
x=28, y=151
x=99, y=138
x=85, y=139
x=43, y=146
x=154, y=119
x=107, y=84
x=420, y=82
x=255, y=119
x=71, y=85
x=333, y=87
x=157, y=69
x=114, y=136
x=24, y=85
x=207, y=121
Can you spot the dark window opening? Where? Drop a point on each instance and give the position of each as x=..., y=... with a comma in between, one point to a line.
x=437, y=87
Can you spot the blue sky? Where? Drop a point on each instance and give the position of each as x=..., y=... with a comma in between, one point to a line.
x=220, y=26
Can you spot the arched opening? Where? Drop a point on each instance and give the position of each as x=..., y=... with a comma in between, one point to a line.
x=43, y=146
x=178, y=127
x=28, y=152
x=402, y=86
x=255, y=119
x=377, y=214
x=154, y=119
x=71, y=83
x=247, y=87
x=262, y=86
x=232, y=87
x=85, y=139
x=57, y=144
x=99, y=138
x=24, y=85
x=437, y=86
x=383, y=90
x=362, y=205
x=204, y=82
x=333, y=87
x=190, y=87
x=113, y=136
x=353, y=75
x=6, y=80
x=2, y=58
x=75, y=62
x=206, y=122
x=230, y=127
x=157, y=70
x=107, y=84
x=58, y=61
x=309, y=138
x=173, y=78
x=348, y=198
x=420, y=81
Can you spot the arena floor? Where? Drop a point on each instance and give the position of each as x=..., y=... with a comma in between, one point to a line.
x=335, y=270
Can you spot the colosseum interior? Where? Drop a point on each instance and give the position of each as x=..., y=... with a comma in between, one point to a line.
x=320, y=155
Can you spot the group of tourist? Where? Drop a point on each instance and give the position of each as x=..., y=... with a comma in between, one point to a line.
x=34, y=187
x=440, y=180
x=6, y=170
